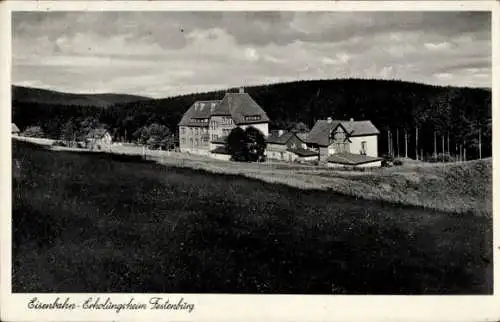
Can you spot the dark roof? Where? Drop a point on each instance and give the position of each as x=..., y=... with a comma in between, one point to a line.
x=220, y=150
x=360, y=128
x=303, y=152
x=351, y=159
x=240, y=105
x=199, y=110
x=14, y=128
x=96, y=133
x=302, y=136
x=320, y=133
x=275, y=138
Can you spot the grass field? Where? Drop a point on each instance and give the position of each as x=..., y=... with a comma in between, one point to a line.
x=86, y=222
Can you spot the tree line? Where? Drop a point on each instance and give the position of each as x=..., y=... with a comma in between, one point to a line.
x=410, y=116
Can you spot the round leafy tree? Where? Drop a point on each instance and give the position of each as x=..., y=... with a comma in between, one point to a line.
x=236, y=145
x=246, y=145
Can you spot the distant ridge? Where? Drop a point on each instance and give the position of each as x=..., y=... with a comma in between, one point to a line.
x=450, y=112
x=22, y=94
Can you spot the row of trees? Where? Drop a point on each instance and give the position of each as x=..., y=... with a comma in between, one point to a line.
x=77, y=129
x=459, y=113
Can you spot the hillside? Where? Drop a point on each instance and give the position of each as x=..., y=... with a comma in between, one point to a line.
x=391, y=105
x=115, y=224
x=21, y=94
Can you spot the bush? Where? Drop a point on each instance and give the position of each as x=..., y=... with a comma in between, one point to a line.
x=80, y=145
x=387, y=163
x=398, y=162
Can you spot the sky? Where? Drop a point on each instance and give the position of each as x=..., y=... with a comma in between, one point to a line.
x=161, y=54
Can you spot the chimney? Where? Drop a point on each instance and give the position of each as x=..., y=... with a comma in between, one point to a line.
x=351, y=120
x=242, y=90
x=281, y=132
x=329, y=119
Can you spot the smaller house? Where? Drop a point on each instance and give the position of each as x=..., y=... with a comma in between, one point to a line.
x=98, y=139
x=345, y=143
x=14, y=129
x=289, y=146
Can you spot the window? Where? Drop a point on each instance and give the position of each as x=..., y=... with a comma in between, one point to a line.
x=183, y=130
x=252, y=118
x=363, y=148
x=183, y=140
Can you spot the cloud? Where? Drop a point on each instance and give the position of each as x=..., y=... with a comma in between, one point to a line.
x=168, y=53
x=438, y=46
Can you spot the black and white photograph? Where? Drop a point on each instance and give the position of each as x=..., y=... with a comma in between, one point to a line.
x=252, y=152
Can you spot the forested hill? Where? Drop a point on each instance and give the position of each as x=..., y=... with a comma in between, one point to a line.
x=21, y=94
x=449, y=111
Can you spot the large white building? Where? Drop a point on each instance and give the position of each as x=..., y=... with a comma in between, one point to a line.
x=206, y=124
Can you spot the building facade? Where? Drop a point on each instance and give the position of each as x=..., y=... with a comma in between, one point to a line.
x=345, y=143
x=289, y=146
x=206, y=124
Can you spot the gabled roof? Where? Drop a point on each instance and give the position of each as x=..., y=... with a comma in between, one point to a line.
x=302, y=136
x=320, y=133
x=239, y=106
x=275, y=138
x=359, y=128
x=303, y=152
x=14, y=128
x=96, y=133
x=351, y=159
x=199, y=110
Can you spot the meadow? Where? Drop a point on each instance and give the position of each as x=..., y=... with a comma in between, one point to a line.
x=97, y=222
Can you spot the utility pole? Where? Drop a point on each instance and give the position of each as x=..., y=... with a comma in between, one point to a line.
x=406, y=143
x=442, y=144
x=388, y=142
x=435, y=145
x=397, y=141
x=416, y=143
x=448, y=139
x=480, y=152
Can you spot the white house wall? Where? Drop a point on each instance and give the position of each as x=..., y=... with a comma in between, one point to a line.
x=371, y=145
x=375, y=164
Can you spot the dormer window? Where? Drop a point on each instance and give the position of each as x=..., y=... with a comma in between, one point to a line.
x=252, y=117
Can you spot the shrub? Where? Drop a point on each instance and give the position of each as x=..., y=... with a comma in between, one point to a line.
x=398, y=162
x=387, y=163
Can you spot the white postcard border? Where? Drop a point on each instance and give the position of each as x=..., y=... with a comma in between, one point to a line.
x=210, y=307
